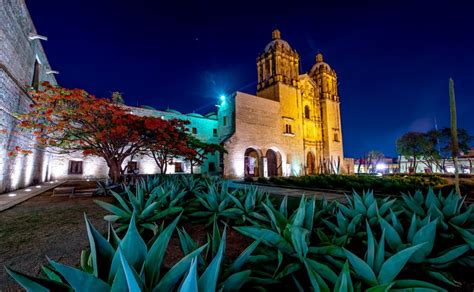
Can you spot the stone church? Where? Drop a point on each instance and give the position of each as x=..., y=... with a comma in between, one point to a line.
x=292, y=126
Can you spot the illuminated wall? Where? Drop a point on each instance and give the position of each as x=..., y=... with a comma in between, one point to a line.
x=20, y=60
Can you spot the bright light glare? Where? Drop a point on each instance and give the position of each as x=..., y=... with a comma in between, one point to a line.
x=222, y=97
x=12, y=195
x=38, y=187
x=381, y=166
x=28, y=190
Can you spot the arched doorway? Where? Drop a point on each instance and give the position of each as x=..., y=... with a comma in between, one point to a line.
x=251, y=164
x=272, y=163
x=310, y=163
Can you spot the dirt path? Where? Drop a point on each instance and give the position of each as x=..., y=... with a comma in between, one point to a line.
x=45, y=226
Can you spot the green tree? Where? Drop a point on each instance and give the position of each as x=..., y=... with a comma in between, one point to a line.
x=414, y=145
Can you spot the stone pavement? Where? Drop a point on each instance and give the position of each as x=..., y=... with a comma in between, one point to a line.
x=293, y=191
x=10, y=199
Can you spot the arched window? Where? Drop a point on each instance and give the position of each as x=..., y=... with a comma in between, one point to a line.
x=307, y=113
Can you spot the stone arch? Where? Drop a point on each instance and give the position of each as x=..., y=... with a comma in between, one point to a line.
x=274, y=162
x=310, y=163
x=252, y=157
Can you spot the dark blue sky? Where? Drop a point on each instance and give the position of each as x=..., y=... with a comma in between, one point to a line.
x=393, y=58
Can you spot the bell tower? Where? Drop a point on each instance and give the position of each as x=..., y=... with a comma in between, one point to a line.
x=326, y=79
x=277, y=65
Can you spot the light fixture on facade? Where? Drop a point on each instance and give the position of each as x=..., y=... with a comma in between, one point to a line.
x=35, y=36
x=52, y=72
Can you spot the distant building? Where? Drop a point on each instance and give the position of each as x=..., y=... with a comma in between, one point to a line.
x=292, y=126
x=423, y=165
x=386, y=165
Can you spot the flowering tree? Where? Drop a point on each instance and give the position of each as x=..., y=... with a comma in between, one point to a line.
x=71, y=120
x=170, y=142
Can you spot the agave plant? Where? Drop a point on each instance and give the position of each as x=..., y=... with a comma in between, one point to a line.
x=249, y=201
x=424, y=231
x=217, y=204
x=289, y=238
x=148, y=208
x=449, y=210
x=366, y=205
x=380, y=273
x=131, y=266
x=342, y=231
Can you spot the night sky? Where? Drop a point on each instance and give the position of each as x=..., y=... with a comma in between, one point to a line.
x=393, y=58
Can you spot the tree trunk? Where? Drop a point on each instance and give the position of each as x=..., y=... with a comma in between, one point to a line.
x=454, y=135
x=115, y=170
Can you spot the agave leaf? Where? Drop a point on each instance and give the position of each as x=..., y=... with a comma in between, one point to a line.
x=361, y=268
x=344, y=282
x=165, y=213
x=386, y=206
x=113, y=209
x=208, y=280
x=133, y=200
x=370, y=246
x=237, y=202
x=316, y=281
x=468, y=236
x=381, y=288
x=171, y=278
x=236, y=281
x=130, y=277
x=268, y=237
x=392, y=236
x=133, y=248
x=190, y=282
x=51, y=274
x=289, y=269
x=380, y=254
x=156, y=254
x=299, y=237
x=121, y=201
x=284, y=206
x=372, y=210
x=332, y=250
x=450, y=255
x=461, y=218
x=395, y=264
x=149, y=210
x=79, y=280
x=431, y=199
x=351, y=228
x=322, y=269
x=299, y=216
x=443, y=277
x=412, y=229
x=243, y=257
x=426, y=235
x=102, y=252
x=309, y=214
x=410, y=284
x=33, y=284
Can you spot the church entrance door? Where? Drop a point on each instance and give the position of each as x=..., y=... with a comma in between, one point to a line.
x=272, y=163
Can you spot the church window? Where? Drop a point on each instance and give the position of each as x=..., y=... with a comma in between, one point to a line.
x=288, y=129
x=307, y=113
x=214, y=132
x=225, y=121
x=194, y=131
x=75, y=167
x=336, y=137
x=36, y=75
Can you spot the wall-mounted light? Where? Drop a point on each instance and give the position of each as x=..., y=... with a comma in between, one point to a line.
x=34, y=36
x=52, y=72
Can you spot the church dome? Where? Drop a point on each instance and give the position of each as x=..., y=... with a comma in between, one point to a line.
x=319, y=63
x=277, y=41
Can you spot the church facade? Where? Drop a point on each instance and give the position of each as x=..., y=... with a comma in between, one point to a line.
x=292, y=126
